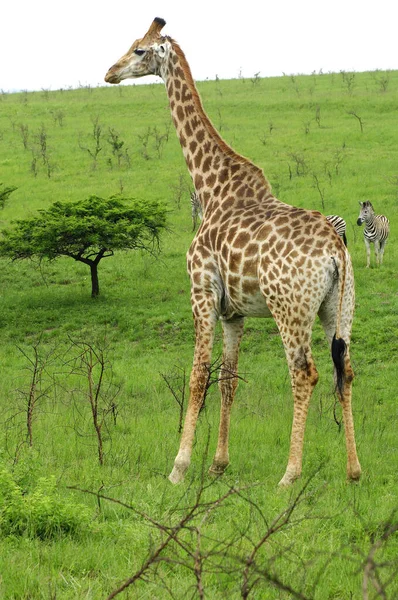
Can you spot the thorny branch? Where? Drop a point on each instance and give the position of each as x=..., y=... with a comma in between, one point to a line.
x=176, y=385
x=171, y=532
x=372, y=568
x=216, y=372
x=278, y=523
x=201, y=553
x=354, y=114
x=91, y=363
x=38, y=388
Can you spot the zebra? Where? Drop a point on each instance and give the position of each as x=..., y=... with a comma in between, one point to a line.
x=340, y=226
x=196, y=209
x=377, y=228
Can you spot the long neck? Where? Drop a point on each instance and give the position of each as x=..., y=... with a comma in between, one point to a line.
x=209, y=158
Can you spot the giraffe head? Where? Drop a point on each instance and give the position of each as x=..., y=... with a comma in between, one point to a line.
x=145, y=57
x=365, y=212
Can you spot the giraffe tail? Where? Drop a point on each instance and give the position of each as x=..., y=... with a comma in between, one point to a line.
x=339, y=348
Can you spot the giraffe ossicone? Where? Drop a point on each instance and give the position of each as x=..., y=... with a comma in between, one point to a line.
x=251, y=256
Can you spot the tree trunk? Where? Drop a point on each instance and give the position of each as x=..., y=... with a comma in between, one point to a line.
x=94, y=279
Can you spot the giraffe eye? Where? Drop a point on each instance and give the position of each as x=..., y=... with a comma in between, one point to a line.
x=139, y=51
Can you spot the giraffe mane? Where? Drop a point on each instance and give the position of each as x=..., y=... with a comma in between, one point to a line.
x=224, y=147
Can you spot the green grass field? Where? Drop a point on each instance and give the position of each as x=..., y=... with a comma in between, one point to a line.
x=325, y=142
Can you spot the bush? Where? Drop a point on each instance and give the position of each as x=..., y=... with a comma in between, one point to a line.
x=40, y=512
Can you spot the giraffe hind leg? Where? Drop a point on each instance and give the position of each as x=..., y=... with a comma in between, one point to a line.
x=304, y=377
x=228, y=382
x=343, y=372
x=344, y=377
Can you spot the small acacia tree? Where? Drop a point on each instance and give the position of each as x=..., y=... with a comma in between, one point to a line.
x=87, y=231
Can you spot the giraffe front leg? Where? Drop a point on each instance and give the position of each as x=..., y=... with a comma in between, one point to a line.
x=304, y=378
x=228, y=382
x=197, y=386
x=198, y=381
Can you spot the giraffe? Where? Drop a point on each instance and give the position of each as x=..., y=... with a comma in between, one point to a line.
x=252, y=255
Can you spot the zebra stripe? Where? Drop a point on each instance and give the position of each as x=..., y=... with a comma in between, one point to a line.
x=340, y=226
x=377, y=229
x=196, y=210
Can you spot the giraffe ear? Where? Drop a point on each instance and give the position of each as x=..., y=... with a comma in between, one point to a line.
x=160, y=50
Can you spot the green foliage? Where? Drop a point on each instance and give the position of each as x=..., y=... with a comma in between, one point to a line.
x=87, y=231
x=84, y=228
x=39, y=512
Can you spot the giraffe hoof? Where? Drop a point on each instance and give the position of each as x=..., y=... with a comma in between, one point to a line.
x=177, y=475
x=354, y=473
x=217, y=468
x=288, y=479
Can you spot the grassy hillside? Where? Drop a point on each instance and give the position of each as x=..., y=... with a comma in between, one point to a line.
x=325, y=142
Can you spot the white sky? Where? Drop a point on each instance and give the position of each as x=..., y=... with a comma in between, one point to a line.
x=49, y=45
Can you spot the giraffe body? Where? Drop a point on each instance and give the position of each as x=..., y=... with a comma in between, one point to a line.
x=251, y=256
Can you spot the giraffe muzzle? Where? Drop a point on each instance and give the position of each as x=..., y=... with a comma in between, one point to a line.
x=111, y=76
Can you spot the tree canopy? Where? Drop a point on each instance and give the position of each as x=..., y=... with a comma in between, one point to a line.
x=87, y=231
